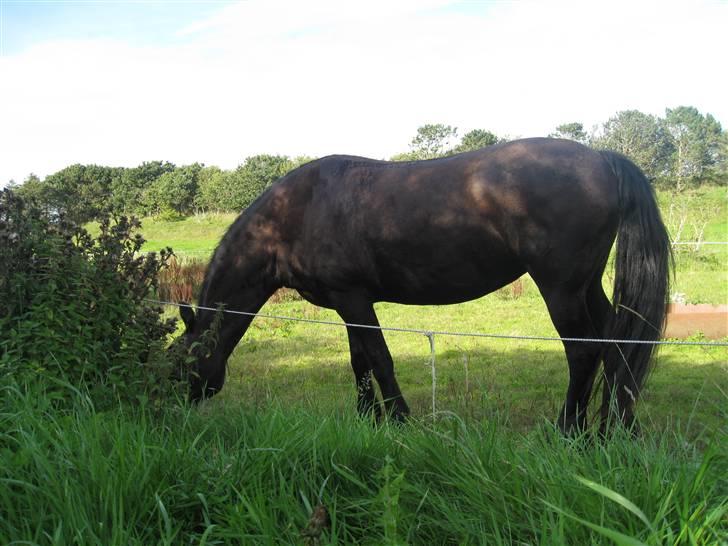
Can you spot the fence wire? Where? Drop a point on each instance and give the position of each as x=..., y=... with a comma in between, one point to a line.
x=696, y=244
x=429, y=333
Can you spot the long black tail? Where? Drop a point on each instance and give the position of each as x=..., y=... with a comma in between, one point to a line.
x=641, y=287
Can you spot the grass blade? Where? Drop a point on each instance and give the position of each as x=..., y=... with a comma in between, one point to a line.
x=616, y=497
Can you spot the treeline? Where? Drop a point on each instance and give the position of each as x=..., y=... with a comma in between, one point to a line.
x=156, y=188
x=682, y=148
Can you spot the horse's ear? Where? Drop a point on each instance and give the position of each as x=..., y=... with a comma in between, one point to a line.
x=188, y=315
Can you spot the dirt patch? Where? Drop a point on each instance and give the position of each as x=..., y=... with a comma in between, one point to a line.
x=687, y=320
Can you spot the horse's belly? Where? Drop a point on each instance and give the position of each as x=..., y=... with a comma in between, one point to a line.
x=445, y=283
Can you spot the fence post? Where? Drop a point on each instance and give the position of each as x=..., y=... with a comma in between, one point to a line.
x=431, y=338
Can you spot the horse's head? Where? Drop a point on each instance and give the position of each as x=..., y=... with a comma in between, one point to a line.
x=207, y=373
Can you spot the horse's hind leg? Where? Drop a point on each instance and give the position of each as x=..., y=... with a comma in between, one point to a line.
x=600, y=312
x=577, y=313
x=369, y=353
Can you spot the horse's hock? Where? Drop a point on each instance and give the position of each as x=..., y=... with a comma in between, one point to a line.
x=688, y=320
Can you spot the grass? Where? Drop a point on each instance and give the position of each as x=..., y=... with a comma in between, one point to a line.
x=195, y=235
x=699, y=214
x=695, y=214
x=289, y=361
x=252, y=465
x=227, y=473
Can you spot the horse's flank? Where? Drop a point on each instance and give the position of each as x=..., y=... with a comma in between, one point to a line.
x=439, y=231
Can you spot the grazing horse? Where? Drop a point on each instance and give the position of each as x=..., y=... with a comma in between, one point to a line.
x=346, y=232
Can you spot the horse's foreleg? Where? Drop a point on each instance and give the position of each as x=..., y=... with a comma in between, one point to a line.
x=211, y=368
x=366, y=402
x=370, y=354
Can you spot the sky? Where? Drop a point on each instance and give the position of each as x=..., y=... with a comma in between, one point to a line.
x=119, y=83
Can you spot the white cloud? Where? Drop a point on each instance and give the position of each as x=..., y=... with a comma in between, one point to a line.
x=324, y=77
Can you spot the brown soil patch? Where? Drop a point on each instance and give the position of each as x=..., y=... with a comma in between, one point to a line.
x=688, y=320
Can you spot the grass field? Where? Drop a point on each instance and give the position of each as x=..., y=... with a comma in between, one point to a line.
x=228, y=474
x=697, y=215
x=294, y=362
x=251, y=465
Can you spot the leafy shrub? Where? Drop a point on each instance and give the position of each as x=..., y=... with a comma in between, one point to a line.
x=72, y=307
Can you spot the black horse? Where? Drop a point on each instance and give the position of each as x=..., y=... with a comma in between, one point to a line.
x=346, y=232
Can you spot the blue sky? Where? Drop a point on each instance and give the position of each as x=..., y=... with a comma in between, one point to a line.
x=118, y=83
x=27, y=22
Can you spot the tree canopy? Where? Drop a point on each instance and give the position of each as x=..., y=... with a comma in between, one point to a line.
x=684, y=147
x=572, y=131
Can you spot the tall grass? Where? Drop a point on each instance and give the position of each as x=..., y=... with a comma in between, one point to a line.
x=226, y=473
x=182, y=279
x=257, y=465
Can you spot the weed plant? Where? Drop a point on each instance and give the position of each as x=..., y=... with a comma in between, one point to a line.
x=182, y=279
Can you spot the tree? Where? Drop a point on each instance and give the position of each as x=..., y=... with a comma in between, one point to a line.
x=476, y=139
x=720, y=170
x=642, y=138
x=81, y=192
x=696, y=143
x=173, y=192
x=432, y=140
x=129, y=186
x=300, y=160
x=233, y=191
x=572, y=131
x=213, y=190
x=33, y=189
x=251, y=178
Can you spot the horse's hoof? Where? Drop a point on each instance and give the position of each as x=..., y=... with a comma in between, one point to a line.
x=399, y=417
x=570, y=428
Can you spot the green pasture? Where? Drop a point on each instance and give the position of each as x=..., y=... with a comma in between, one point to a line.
x=298, y=363
x=700, y=214
x=283, y=441
x=193, y=236
x=288, y=362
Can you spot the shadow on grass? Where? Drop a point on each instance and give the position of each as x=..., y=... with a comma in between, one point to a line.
x=525, y=382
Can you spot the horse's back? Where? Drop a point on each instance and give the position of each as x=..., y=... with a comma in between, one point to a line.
x=433, y=231
x=552, y=183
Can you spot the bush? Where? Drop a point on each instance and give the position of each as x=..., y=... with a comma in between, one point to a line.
x=73, y=310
